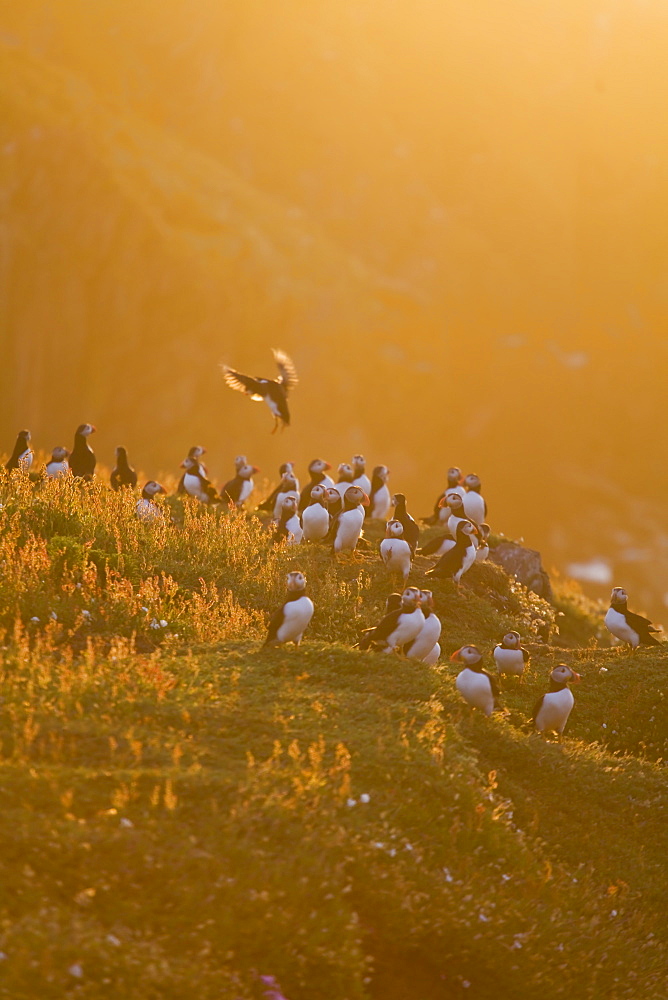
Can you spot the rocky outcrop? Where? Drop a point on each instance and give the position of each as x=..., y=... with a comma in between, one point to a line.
x=525, y=565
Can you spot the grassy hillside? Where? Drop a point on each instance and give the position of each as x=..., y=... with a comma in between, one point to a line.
x=184, y=813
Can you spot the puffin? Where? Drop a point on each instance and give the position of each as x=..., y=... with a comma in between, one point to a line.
x=288, y=526
x=478, y=688
x=392, y=603
x=459, y=559
x=425, y=646
x=454, y=478
x=195, y=453
x=346, y=528
x=395, y=550
x=483, y=543
x=58, y=465
x=22, y=456
x=123, y=474
x=361, y=479
x=411, y=530
x=315, y=517
x=286, y=469
x=286, y=488
x=317, y=471
x=291, y=620
x=334, y=502
x=146, y=508
x=346, y=476
x=380, y=499
x=82, y=458
x=238, y=490
x=623, y=624
x=438, y=546
x=510, y=656
x=197, y=485
x=274, y=392
x=398, y=627
x=551, y=711
x=475, y=507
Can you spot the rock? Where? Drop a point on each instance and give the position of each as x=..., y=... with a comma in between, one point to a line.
x=525, y=565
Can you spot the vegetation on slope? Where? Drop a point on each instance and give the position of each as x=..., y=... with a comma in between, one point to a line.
x=185, y=813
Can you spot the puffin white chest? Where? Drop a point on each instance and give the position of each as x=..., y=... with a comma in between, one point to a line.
x=474, y=506
x=193, y=487
x=363, y=482
x=315, y=522
x=380, y=504
x=296, y=616
x=476, y=689
x=280, y=497
x=468, y=558
x=617, y=624
x=349, y=529
x=553, y=713
x=247, y=488
x=341, y=488
x=426, y=640
x=396, y=554
x=407, y=629
x=432, y=657
x=295, y=532
x=509, y=661
x=25, y=460
x=453, y=521
x=147, y=510
x=55, y=469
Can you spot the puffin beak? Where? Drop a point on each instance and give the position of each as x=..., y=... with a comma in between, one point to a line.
x=455, y=656
x=576, y=677
x=442, y=503
x=327, y=465
x=365, y=501
x=162, y=490
x=255, y=469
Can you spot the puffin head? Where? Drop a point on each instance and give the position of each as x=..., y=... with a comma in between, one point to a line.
x=472, y=482
x=563, y=674
x=319, y=465
x=319, y=493
x=121, y=452
x=469, y=655
x=288, y=483
x=83, y=430
x=466, y=528
x=618, y=596
x=427, y=599
x=381, y=472
x=346, y=474
x=246, y=471
x=393, y=603
x=511, y=640
x=333, y=496
x=296, y=580
x=239, y=461
x=152, y=488
x=25, y=435
x=484, y=531
x=354, y=496
x=59, y=454
x=287, y=469
x=289, y=505
x=359, y=464
x=189, y=463
x=452, y=500
x=394, y=529
x=410, y=599
x=197, y=451
x=454, y=476
x=398, y=498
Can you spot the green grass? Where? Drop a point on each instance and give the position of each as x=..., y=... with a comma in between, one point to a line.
x=183, y=812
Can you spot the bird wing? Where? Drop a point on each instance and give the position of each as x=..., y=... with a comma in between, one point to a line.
x=287, y=372
x=243, y=383
x=435, y=544
x=525, y=654
x=275, y=623
x=494, y=684
x=231, y=490
x=537, y=707
x=386, y=626
x=640, y=624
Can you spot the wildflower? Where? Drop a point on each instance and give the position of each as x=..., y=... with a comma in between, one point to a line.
x=351, y=802
x=613, y=913
x=85, y=613
x=112, y=939
x=163, y=623
x=53, y=616
x=603, y=670
x=127, y=823
x=35, y=619
x=76, y=970
x=604, y=725
x=365, y=798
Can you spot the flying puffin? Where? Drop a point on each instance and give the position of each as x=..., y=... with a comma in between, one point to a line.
x=478, y=688
x=398, y=627
x=411, y=530
x=361, y=479
x=123, y=474
x=238, y=490
x=147, y=509
x=82, y=459
x=58, y=465
x=380, y=499
x=274, y=392
x=315, y=517
x=22, y=456
x=286, y=469
x=395, y=550
x=197, y=485
x=551, y=711
x=454, y=478
x=317, y=471
x=623, y=624
x=459, y=559
x=510, y=656
x=346, y=476
x=288, y=526
x=392, y=603
x=423, y=646
x=290, y=621
x=475, y=507
x=346, y=528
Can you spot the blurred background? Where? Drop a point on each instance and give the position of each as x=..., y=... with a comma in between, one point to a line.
x=452, y=216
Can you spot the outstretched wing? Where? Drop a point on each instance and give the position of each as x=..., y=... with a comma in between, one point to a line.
x=243, y=383
x=288, y=375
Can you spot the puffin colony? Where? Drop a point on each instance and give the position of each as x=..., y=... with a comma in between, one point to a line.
x=334, y=513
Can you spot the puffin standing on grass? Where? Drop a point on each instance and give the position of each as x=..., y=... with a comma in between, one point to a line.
x=346, y=528
x=291, y=620
x=288, y=526
x=238, y=490
x=346, y=476
x=286, y=488
x=478, y=688
x=361, y=479
x=392, y=603
x=123, y=474
x=425, y=646
x=58, y=465
x=274, y=392
x=395, y=551
x=147, y=509
x=22, y=456
x=625, y=625
x=399, y=627
x=475, y=507
x=82, y=458
x=411, y=529
x=317, y=471
x=510, y=656
x=458, y=559
x=315, y=517
x=380, y=499
x=440, y=514
x=551, y=711
x=197, y=485
x=286, y=469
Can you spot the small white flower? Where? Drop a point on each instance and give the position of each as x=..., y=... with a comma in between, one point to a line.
x=365, y=798
x=351, y=802
x=377, y=843
x=163, y=623
x=53, y=616
x=505, y=878
x=408, y=847
x=465, y=983
x=144, y=609
x=613, y=913
x=392, y=852
x=448, y=876
x=604, y=725
x=603, y=670
x=481, y=916
x=76, y=970
x=127, y=823
x=35, y=619
x=112, y=939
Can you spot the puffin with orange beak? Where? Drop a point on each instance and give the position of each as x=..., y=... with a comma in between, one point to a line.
x=346, y=529
x=551, y=711
x=238, y=490
x=478, y=688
